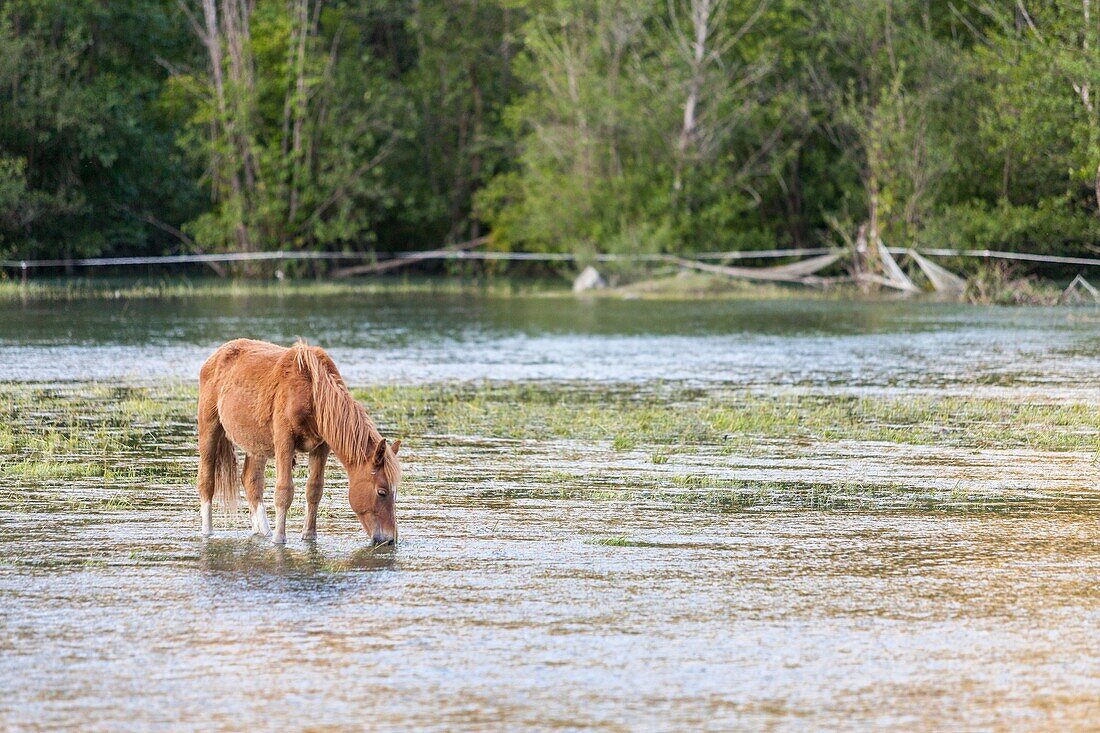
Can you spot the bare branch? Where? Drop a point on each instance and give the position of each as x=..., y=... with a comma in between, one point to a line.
x=192, y=20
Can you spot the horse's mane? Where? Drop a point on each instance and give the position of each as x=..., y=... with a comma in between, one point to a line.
x=341, y=421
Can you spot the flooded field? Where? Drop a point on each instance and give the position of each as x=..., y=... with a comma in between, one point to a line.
x=413, y=338
x=616, y=515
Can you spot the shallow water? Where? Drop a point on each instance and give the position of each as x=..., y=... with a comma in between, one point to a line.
x=562, y=583
x=504, y=614
x=420, y=338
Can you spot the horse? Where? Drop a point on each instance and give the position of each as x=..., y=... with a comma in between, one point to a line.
x=273, y=402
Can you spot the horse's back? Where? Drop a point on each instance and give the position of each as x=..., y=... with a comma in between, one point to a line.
x=245, y=355
x=243, y=382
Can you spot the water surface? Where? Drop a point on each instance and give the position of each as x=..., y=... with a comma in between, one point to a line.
x=504, y=614
x=424, y=338
x=559, y=583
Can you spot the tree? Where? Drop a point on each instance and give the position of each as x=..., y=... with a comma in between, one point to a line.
x=293, y=118
x=1026, y=150
x=460, y=80
x=639, y=130
x=886, y=90
x=87, y=161
x=1053, y=47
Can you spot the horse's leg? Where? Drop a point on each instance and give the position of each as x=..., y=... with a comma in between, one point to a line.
x=284, y=485
x=211, y=434
x=315, y=486
x=253, y=479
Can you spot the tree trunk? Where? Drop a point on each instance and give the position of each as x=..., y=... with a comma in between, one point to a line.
x=229, y=169
x=1096, y=187
x=866, y=255
x=299, y=106
x=796, y=219
x=700, y=20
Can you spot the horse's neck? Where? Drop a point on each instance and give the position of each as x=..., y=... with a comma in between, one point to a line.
x=344, y=428
x=349, y=456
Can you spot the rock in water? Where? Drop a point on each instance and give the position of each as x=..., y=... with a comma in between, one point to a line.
x=589, y=279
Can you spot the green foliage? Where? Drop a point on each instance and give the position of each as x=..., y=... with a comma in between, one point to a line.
x=581, y=126
x=86, y=163
x=609, y=160
x=1048, y=226
x=294, y=129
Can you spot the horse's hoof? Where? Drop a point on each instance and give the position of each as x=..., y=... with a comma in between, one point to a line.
x=309, y=536
x=278, y=540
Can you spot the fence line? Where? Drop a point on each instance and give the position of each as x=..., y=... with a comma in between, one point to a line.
x=421, y=255
x=176, y=259
x=409, y=255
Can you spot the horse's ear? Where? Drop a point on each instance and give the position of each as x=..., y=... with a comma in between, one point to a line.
x=380, y=453
x=396, y=446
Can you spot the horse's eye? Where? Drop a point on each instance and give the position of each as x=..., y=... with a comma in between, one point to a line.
x=383, y=492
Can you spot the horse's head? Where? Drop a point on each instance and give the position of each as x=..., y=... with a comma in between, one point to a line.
x=372, y=491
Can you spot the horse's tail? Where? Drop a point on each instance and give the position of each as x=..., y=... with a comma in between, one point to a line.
x=227, y=479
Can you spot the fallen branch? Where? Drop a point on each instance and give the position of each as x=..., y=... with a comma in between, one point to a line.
x=377, y=267
x=895, y=276
x=943, y=280
x=796, y=272
x=1074, y=290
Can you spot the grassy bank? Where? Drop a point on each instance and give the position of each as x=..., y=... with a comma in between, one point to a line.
x=990, y=284
x=665, y=287
x=691, y=286
x=198, y=287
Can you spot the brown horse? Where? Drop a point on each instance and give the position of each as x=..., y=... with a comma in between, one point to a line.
x=273, y=402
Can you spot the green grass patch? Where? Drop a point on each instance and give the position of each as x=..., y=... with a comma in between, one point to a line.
x=101, y=424
x=116, y=288
x=622, y=542
x=628, y=418
x=112, y=440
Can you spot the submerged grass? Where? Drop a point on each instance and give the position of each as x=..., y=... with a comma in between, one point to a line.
x=101, y=422
x=735, y=495
x=623, y=542
x=988, y=287
x=112, y=439
x=681, y=419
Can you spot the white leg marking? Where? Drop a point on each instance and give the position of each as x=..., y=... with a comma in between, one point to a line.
x=259, y=520
x=206, y=512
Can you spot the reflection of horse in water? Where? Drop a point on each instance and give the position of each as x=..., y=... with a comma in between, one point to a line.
x=273, y=402
x=237, y=557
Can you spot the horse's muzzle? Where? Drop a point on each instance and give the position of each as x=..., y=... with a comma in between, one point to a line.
x=383, y=540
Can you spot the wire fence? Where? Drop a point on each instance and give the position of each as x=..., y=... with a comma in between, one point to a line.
x=381, y=257
x=419, y=256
